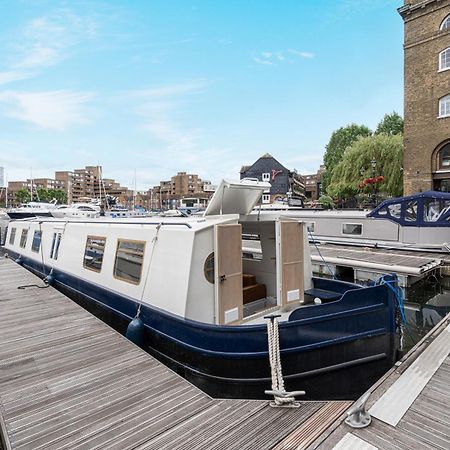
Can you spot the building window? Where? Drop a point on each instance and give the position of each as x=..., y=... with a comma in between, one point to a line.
x=23, y=238
x=444, y=59
x=129, y=258
x=446, y=23
x=444, y=157
x=36, y=244
x=93, y=253
x=266, y=198
x=266, y=176
x=444, y=106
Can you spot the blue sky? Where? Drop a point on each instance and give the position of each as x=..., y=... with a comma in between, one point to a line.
x=200, y=86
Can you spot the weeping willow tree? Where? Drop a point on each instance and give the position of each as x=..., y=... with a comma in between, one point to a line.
x=355, y=167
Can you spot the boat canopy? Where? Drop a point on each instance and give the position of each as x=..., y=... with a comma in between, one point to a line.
x=236, y=197
x=425, y=209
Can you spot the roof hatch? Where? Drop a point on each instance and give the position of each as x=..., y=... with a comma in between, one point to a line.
x=236, y=197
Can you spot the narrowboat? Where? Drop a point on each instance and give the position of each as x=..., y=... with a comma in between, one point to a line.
x=202, y=302
x=419, y=222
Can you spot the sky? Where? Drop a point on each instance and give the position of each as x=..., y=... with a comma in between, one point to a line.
x=147, y=88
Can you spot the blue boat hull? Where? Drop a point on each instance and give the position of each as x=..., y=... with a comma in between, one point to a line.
x=332, y=351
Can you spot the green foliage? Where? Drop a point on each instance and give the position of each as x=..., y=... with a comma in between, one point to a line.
x=22, y=196
x=390, y=124
x=387, y=150
x=340, y=140
x=326, y=201
x=57, y=194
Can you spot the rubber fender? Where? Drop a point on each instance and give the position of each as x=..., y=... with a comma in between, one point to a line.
x=136, y=331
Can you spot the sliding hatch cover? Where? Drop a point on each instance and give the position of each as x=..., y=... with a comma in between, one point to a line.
x=236, y=197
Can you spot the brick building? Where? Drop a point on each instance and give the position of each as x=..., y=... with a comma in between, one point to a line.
x=180, y=188
x=427, y=95
x=313, y=184
x=286, y=184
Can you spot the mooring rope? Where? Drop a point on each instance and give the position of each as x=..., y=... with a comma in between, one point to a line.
x=154, y=240
x=281, y=397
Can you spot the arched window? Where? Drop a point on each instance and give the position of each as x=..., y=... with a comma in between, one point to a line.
x=444, y=106
x=444, y=59
x=445, y=25
x=444, y=157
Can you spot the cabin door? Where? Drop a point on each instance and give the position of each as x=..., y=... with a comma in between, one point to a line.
x=290, y=261
x=228, y=273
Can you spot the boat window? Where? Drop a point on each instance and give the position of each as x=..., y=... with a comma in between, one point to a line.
x=354, y=229
x=395, y=210
x=36, y=244
x=434, y=209
x=55, y=245
x=411, y=211
x=383, y=211
x=93, y=253
x=129, y=257
x=23, y=238
x=12, y=236
x=208, y=268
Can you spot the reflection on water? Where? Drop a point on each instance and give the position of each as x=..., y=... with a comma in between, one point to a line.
x=426, y=303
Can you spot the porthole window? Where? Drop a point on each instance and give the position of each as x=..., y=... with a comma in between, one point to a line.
x=208, y=268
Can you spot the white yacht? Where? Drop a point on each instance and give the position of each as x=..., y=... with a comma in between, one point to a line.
x=76, y=210
x=32, y=209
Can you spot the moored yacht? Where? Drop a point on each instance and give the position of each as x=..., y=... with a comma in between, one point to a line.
x=32, y=209
x=202, y=303
x=76, y=210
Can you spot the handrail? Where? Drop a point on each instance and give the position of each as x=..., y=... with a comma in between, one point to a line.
x=39, y=219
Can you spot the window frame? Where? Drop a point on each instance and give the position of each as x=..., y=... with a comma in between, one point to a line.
x=33, y=242
x=444, y=100
x=103, y=238
x=23, y=238
x=117, y=277
x=56, y=243
x=441, y=165
x=265, y=176
x=12, y=235
x=265, y=198
x=444, y=25
x=352, y=234
x=441, y=68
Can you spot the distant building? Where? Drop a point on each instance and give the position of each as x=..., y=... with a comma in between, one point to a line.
x=313, y=184
x=286, y=184
x=2, y=177
x=427, y=95
x=183, y=189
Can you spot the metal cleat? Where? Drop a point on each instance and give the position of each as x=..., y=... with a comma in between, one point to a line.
x=358, y=417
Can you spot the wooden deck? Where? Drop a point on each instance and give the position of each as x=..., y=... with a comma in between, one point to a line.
x=68, y=381
x=409, y=406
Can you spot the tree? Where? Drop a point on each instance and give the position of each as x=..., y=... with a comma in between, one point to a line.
x=386, y=150
x=23, y=196
x=57, y=194
x=340, y=140
x=390, y=124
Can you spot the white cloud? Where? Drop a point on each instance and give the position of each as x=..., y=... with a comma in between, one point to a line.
x=14, y=75
x=307, y=55
x=159, y=107
x=56, y=110
x=262, y=61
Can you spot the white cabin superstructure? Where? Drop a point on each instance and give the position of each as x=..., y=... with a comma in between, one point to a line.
x=191, y=267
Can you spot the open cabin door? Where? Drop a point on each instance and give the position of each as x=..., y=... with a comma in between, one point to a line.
x=290, y=261
x=228, y=273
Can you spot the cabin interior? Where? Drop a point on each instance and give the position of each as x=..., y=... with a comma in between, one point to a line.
x=260, y=267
